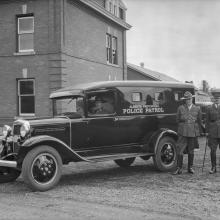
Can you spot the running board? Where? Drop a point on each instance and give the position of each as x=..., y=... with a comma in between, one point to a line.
x=102, y=158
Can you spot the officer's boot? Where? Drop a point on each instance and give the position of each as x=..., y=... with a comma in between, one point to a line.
x=213, y=161
x=190, y=163
x=179, y=165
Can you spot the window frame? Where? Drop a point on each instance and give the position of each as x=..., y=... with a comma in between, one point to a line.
x=108, y=48
x=23, y=33
x=98, y=93
x=121, y=13
x=115, y=10
x=114, y=50
x=19, y=96
x=136, y=97
x=111, y=49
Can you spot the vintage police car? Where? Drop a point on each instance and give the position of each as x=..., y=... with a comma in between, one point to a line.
x=95, y=122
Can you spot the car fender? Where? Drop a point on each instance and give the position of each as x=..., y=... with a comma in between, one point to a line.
x=65, y=151
x=163, y=132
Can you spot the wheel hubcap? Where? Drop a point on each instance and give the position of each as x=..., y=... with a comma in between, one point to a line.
x=167, y=154
x=44, y=168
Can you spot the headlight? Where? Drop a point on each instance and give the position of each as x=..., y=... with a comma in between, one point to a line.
x=6, y=131
x=25, y=128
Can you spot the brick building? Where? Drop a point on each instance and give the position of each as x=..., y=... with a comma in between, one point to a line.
x=49, y=44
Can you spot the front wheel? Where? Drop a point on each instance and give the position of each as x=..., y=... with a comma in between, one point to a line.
x=125, y=162
x=41, y=168
x=165, y=155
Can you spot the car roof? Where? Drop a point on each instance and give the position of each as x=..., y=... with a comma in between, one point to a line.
x=79, y=89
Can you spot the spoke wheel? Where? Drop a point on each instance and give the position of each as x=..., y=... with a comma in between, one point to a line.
x=165, y=155
x=125, y=162
x=41, y=168
x=44, y=168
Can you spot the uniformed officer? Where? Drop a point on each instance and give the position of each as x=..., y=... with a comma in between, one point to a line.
x=213, y=130
x=189, y=128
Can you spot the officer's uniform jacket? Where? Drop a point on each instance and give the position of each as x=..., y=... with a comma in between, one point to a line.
x=189, y=121
x=213, y=121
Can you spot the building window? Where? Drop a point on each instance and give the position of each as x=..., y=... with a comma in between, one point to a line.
x=115, y=10
x=114, y=51
x=136, y=97
x=121, y=13
x=108, y=47
x=110, y=6
x=25, y=39
x=26, y=97
x=111, y=49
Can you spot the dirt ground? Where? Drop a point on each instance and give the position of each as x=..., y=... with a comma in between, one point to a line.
x=105, y=191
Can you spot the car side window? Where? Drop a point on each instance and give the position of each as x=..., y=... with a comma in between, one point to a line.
x=101, y=103
x=165, y=98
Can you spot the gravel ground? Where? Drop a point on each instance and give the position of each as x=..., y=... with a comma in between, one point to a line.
x=105, y=191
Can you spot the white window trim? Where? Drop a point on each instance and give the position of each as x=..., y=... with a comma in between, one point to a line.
x=114, y=49
x=112, y=37
x=24, y=32
x=21, y=51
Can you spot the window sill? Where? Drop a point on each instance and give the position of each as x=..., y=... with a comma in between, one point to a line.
x=25, y=53
x=25, y=116
x=111, y=64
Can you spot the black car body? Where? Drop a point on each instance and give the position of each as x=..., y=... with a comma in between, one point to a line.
x=94, y=122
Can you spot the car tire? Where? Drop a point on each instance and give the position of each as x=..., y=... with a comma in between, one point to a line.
x=8, y=174
x=42, y=168
x=166, y=154
x=125, y=162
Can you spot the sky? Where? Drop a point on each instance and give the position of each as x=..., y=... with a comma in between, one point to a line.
x=180, y=38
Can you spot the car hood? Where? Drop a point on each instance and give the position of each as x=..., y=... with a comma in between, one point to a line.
x=44, y=121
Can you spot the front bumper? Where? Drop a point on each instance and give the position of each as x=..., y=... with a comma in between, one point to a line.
x=8, y=163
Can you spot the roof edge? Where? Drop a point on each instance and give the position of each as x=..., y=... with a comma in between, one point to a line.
x=142, y=72
x=133, y=66
x=105, y=13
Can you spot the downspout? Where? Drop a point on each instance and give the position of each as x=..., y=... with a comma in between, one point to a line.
x=124, y=66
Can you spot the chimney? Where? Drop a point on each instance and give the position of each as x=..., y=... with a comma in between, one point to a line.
x=142, y=64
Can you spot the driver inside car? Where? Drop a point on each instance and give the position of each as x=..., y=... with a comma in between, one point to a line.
x=102, y=106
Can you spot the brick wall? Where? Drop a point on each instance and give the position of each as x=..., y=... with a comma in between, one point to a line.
x=84, y=48
x=69, y=42
x=12, y=63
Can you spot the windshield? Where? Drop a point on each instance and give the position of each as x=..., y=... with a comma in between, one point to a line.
x=69, y=106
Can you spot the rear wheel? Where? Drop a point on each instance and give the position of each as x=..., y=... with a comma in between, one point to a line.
x=125, y=162
x=41, y=168
x=165, y=155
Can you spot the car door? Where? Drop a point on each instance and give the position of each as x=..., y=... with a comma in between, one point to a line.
x=101, y=123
